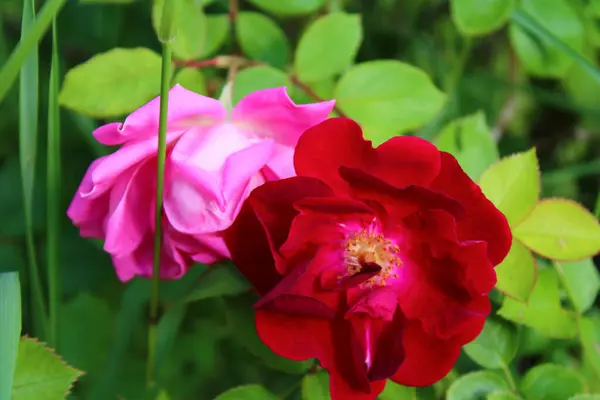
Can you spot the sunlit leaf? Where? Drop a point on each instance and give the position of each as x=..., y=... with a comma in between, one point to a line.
x=474, y=17
x=560, y=229
x=517, y=273
x=41, y=374
x=513, y=185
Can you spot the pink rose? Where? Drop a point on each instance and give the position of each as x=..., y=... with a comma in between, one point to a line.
x=214, y=161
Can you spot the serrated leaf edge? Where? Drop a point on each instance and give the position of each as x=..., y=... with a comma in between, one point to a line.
x=78, y=372
x=539, y=179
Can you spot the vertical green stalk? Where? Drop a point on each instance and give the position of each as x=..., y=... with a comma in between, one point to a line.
x=10, y=321
x=166, y=37
x=28, y=43
x=28, y=126
x=53, y=193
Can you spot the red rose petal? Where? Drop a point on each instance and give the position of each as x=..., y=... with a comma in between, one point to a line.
x=483, y=220
x=293, y=337
x=251, y=253
x=427, y=359
x=401, y=161
x=273, y=204
x=399, y=202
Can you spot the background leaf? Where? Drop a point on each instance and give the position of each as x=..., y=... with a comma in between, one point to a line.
x=540, y=56
x=470, y=140
x=543, y=311
x=10, y=321
x=289, y=7
x=316, y=386
x=551, y=382
x=476, y=384
x=474, y=17
x=250, y=392
x=388, y=95
x=317, y=59
x=112, y=84
x=262, y=39
x=496, y=345
x=581, y=280
x=256, y=78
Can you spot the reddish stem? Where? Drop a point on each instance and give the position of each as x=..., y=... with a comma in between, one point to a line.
x=306, y=89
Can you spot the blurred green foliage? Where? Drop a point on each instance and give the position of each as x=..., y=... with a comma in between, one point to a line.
x=472, y=76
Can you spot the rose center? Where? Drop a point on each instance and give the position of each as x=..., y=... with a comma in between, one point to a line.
x=367, y=252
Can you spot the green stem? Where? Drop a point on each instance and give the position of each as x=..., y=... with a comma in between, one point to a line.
x=28, y=131
x=509, y=378
x=28, y=42
x=53, y=193
x=160, y=175
x=525, y=21
x=571, y=172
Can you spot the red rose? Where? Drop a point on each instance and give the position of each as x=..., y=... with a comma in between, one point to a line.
x=377, y=262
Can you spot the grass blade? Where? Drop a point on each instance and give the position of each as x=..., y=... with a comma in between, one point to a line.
x=10, y=321
x=28, y=126
x=29, y=40
x=526, y=22
x=53, y=193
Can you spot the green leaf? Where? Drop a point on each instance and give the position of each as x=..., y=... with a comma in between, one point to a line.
x=585, y=397
x=589, y=335
x=316, y=386
x=560, y=229
x=217, y=31
x=27, y=44
x=513, y=185
x=41, y=374
x=288, y=8
x=219, y=280
x=328, y=46
x=247, y=392
x=551, y=382
x=475, y=384
x=76, y=317
x=502, y=396
x=112, y=84
x=106, y=1
x=252, y=79
x=496, y=345
x=470, y=140
x=262, y=39
x=393, y=391
x=543, y=311
x=474, y=17
x=581, y=280
x=539, y=55
x=388, y=95
x=192, y=79
x=10, y=321
x=196, y=34
x=517, y=273
x=240, y=318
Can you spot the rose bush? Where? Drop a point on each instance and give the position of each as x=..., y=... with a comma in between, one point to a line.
x=214, y=160
x=377, y=262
